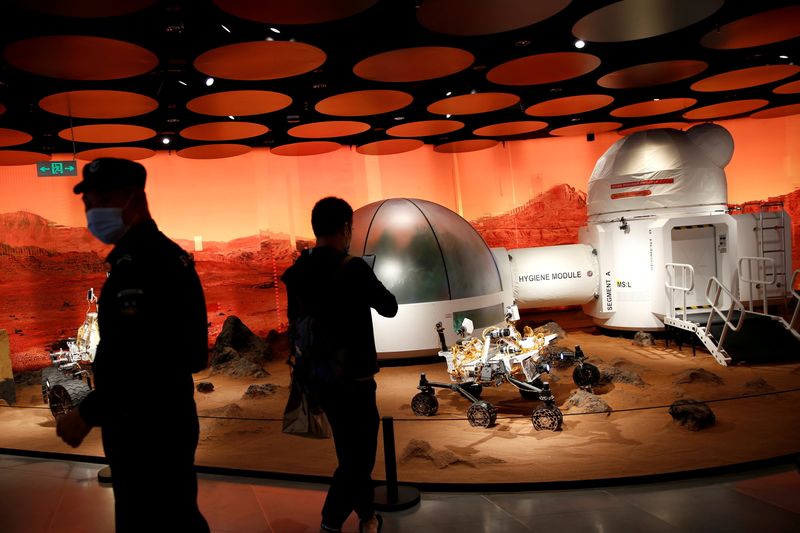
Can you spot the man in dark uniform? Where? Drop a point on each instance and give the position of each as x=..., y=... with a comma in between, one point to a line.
x=339, y=290
x=153, y=336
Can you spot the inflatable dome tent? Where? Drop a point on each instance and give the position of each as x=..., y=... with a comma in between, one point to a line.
x=438, y=267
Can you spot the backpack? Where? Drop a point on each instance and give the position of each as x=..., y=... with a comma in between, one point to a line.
x=318, y=363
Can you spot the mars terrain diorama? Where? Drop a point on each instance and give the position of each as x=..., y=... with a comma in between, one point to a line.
x=245, y=219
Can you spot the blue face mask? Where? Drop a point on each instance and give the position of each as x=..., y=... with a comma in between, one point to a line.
x=106, y=223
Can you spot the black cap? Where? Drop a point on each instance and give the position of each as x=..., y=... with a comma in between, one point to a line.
x=110, y=174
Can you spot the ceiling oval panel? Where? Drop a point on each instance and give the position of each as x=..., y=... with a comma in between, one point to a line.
x=239, y=103
x=481, y=17
x=98, y=104
x=364, y=103
x=425, y=128
x=223, y=131
x=306, y=148
x=331, y=128
x=780, y=111
x=726, y=109
x=660, y=125
x=584, y=129
x=788, y=88
x=294, y=12
x=414, y=64
x=756, y=30
x=260, y=60
x=470, y=104
x=123, y=152
x=80, y=57
x=389, y=147
x=653, y=107
x=743, y=78
x=650, y=74
x=21, y=157
x=543, y=68
x=505, y=129
x=107, y=133
x=86, y=8
x=9, y=137
x=469, y=145
x=631, y=20
x=569, y=105
x=214, y=151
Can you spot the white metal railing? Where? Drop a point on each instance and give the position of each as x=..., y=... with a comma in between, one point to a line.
x=759, y=282
x=686, y=274
x=793, y=325
x=717, y=288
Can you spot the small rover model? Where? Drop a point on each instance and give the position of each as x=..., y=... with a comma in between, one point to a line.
x=500, y=354
x=69, y=379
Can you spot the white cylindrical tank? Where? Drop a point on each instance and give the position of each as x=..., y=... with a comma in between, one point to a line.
x=554, y=275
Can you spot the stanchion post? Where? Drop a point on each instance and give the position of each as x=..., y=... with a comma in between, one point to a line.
x=390, y=458
x=392, y=496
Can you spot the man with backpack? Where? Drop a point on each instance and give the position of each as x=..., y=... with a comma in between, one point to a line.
x=337, y=291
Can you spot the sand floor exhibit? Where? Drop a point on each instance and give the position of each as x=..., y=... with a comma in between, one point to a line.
x=754, y=405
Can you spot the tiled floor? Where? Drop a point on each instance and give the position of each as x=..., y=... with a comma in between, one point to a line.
x=55, y=496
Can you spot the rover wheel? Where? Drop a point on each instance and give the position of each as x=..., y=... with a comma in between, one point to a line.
x=547, y=418
x=474, y=389
x=67, y=395
x=424, y=404
x=586, y=375
x=50, y=376
x=481, y=414
x=529, y=394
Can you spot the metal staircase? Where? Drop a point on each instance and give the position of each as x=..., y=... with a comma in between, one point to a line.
x=731, y=332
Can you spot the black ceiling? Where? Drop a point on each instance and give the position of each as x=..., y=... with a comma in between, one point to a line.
x=179, y=31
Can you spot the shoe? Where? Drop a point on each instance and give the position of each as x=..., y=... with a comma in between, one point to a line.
x=362, y=523
x=327, y=529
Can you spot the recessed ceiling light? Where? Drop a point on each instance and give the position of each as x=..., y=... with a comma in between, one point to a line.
x=275, y=30
x=579, y=44
x=209, y=82
x=230, y=117
x=225, y=28
x=473, y=91
x=448, y=93
x=448, y=115
x=399, y=118
x=784, y=57
x=269, y=39
x=182, y=82
x=165, y=140
x=656, y=99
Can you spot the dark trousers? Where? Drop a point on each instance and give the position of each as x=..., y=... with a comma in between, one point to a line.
x=152, y=470
x=353, y=415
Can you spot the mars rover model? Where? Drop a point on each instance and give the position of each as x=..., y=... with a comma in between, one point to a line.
x=69, y=380
x=502, y=353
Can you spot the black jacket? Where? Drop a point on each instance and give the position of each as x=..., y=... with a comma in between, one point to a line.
x=153, y=330
x=326, y=283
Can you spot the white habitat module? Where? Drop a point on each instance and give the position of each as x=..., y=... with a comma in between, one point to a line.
x=656, y=198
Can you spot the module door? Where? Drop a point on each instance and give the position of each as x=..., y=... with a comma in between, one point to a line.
x=696, y=246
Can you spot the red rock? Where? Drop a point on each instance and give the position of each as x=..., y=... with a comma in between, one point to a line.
x=550, y=218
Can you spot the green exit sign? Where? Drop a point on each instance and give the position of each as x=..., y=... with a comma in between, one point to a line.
x=56, y=168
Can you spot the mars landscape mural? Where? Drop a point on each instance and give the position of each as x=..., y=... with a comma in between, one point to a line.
x=245, y=218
